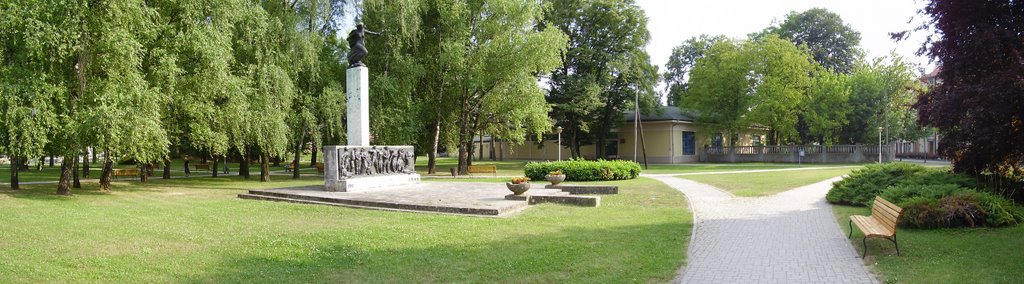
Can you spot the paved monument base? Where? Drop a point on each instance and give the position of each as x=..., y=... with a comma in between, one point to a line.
x=464, y=198
x=371, y=183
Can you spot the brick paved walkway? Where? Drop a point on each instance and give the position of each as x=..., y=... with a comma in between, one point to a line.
x=790, y=237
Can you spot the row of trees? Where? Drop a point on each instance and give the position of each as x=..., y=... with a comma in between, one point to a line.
x=446, y=71
x=139, y=79
x=804, y=79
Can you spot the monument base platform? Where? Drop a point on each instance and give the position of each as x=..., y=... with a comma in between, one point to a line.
x=371, y=183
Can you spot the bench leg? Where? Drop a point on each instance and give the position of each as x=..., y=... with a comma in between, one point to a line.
x=865, y=248
x=897, y=245
x=851, y=230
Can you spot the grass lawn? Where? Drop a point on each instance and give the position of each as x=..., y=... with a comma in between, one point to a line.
x=767, y=183
x=703, y=167
x=196, y=230
x=962, y=255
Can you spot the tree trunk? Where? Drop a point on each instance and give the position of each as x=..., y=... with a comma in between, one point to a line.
x=74, y=174
x=432, y=155
x=491, y=151
x=85, y=163
x=167, y=168
x=108, y=168
x=15, y=167
x=243, y=166
x=463, y=159
x=144, y=173
x=39, y=163
x=264, y=168
x=64, y=185
x=51, y=161
x=213, y=168
x=298, y=155
x=312, y=160
x=481, y=146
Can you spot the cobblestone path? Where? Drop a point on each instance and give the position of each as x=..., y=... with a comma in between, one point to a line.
x=790, y=237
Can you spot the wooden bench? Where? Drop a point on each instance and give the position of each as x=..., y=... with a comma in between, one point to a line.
x=881, y=224
x=482, y=169
x=202, y=167
x=124, y=173
x=320, y=168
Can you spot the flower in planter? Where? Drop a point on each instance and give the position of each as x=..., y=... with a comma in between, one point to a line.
x=520, y=180
x=556, y=173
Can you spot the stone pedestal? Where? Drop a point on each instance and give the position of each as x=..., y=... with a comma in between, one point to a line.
x=357, y=80
x=357, y=168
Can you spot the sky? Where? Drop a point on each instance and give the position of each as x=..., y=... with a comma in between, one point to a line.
x=672, y=21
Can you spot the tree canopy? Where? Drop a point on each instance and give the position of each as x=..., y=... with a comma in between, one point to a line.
x=833, y=43
x=979, y=104
x=603, y=71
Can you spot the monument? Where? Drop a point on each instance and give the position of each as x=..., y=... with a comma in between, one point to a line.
x=359, y=166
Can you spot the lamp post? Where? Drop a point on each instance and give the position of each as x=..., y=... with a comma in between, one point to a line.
x=559, y=131
x=879, y=144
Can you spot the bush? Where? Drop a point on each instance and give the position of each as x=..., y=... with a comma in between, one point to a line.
x=582, y=170
x=964, y=208
x=899, y=194
x=863, y=185
x=933, y=176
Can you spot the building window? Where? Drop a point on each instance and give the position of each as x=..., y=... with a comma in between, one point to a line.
x=716, y=141
x=756, y=139
x=689, y=143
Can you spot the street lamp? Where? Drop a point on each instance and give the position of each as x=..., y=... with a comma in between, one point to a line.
x=559, y=131
x=879, y=144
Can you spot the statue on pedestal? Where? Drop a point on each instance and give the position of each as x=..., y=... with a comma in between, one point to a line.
x=357, y=47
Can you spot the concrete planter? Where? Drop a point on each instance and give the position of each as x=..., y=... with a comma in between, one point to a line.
x=555, y=179
x=517, y=189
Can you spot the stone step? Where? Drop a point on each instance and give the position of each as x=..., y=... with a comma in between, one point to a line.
x=585, y=189
x=578, y=200
x=279, y=196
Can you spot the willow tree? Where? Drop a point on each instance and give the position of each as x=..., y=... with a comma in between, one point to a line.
x=33, y=44
x=117, y=110
x=498, y=65
x=38, y=46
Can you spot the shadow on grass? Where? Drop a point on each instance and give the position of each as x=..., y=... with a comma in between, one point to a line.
x=623, y=254
x=155, y=184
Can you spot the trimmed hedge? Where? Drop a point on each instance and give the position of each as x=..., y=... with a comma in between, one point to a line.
x=583, y=170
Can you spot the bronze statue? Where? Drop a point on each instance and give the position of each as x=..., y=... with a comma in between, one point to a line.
x=357, y=48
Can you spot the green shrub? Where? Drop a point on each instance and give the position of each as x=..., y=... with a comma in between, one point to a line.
x=864, y=184
x=899, y=193
x=953, y=206
x=582, y=170
x=932, y=176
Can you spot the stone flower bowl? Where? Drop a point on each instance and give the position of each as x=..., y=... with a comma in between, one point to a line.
x=555, y=179
x=518, y=189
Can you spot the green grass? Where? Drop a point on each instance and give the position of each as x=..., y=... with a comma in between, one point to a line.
x=703, y=167
x=767, y=183
x=196, y=230
x=961, y=255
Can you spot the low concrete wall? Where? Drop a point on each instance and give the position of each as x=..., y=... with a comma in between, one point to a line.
x=834, y=154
